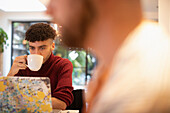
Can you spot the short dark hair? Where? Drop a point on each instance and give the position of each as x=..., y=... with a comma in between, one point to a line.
x=40, y=32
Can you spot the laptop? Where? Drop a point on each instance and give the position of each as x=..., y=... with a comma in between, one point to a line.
x=25, y=95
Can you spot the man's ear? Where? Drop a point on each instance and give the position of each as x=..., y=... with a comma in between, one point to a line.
x=53, y=46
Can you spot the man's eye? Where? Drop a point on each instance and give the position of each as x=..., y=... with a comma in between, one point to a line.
x=42, y=48
x=31, y=48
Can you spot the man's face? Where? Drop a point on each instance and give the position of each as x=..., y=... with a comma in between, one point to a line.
x=43, y=48
x=74, y=16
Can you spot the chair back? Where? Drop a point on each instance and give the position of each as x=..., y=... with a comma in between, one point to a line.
x=78, y=100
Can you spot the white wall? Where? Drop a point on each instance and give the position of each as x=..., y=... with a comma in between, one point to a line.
x=5, y=22
x=164, y=14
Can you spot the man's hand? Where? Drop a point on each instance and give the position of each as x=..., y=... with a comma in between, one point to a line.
x=19, y=63
x=58, y=104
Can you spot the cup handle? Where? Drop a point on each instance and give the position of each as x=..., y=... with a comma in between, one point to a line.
x=27, y=65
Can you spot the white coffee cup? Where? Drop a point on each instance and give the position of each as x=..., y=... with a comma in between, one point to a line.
x=34, y=62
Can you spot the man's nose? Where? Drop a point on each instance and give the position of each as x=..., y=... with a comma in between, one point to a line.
x=37, y=52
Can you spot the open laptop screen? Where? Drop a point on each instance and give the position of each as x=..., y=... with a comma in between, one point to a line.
x=25, y=94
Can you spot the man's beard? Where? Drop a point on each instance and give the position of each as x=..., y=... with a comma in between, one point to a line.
x=76, y=38
x=71, y=40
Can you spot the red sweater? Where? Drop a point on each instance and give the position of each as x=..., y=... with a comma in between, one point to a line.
x=59, y=70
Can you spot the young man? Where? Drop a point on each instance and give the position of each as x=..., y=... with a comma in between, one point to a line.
x=133, y=53
x=40, y=37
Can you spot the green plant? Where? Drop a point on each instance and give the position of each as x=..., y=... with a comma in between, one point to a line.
x=3, y=39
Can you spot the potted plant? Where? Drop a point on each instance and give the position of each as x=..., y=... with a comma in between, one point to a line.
x=3, y=39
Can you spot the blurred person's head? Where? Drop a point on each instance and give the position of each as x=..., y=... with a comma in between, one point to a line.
x=98, y=24
x=74, y=16
x=40, y=37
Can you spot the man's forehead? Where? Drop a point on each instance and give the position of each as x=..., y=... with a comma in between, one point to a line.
x=37, y=46
x=41, y=42
x=38, y=43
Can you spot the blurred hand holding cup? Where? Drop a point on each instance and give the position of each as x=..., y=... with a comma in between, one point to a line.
x=34, y=62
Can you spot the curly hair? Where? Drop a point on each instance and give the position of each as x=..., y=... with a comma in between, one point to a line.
x=40, y=32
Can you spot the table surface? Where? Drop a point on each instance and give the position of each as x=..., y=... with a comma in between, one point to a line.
x=65, y=111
